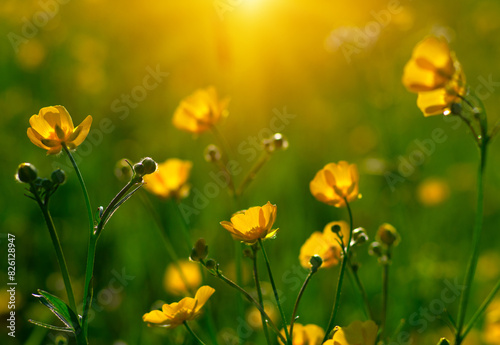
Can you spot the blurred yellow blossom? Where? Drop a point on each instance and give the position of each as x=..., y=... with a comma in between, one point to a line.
x=53, y=127
x=325, y=245
x=357, y=333
x=305, y=335
x=170, y=179
x=175, y=284
x=254, y=318
x=200, y=111
x=491, y=333
x=436, y=75
x=249, y=225
x=433, y=191
x=174, y=314
x=335, y=182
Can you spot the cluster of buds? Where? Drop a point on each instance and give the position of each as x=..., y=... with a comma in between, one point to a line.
x=387, y=238
x=145, y=167
x=44, y=187
x=275, y=143
x=199, y=253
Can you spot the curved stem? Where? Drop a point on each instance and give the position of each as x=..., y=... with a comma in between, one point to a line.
x=259, y=293
x=471, y=268
x=299, y=296
x=341, y=276
x=57, y=247
x=253, y=172
x=193, y=334
x=362, y=291
x=385, y=290
x=88, y=288
x=185, y=226
x=276, y=295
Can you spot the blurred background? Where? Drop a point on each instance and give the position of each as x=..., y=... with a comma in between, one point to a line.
x=326, y=74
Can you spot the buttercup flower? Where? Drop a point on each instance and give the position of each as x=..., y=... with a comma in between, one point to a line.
x=254, y=317
x=491, y=333
x=305, y=335
x=357, y=333
x=173, y=315
x=335, y=182
x=174, y=283
x=200, y=111
x=53, y=127
x=324, y=244
x=249, y=225
x=169, y=180
x=436, y=75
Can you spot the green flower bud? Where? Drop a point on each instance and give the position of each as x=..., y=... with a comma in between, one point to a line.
x=26, y=173
x=47, y=184
x=388, y=235
x=375, y=249
x=212, y=153
x=211, y=264
x=199, y=251
x=359, y=236
x=58, y=176
x=316, y=261
x=139, y=169
x=149, y=165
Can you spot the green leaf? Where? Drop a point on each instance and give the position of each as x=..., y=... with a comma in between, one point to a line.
x=46, y=325
x=60, y=309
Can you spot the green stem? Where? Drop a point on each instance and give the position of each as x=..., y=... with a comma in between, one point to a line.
x=299, y=296
x=193, y=334
x=252, y=300
x=276, y=295
x=57, y=246
x=88, y=288
x=385, y=290
x=253, y=172
x=471, y=268
x=259, y=293
x=239, y=280
x=481, y=309
x=341, y=276
x=362, y=291
x=185, y=226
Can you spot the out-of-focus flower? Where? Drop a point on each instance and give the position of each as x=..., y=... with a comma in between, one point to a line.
x=357, y=333
x=174, y=314
x=436, y=75
x=491, y=333
x=169, y=180
x=249, y=225
x=254, y=318
x=335, y=182
x=174, y=283
x=325, y=245
x=433, y=191
x=53, y=127
x=305, y=335
x=200, y=111
x=388, y=235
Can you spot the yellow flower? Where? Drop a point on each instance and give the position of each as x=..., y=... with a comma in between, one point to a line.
x=436, y=75
x=254, y=318
x=433, y=191
x=249, y=225
x=200, y=111
x=53, y=127
x=325, y=245
x=335, y=182
x=492, y=323
x=169, y=180
x=357, y=333
x=305, y=335
x=173, y=315
x=174, y=283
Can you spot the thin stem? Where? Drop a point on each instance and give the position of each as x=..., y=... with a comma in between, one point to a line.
x=362, y=291
x=341, y=276
x=259, y=293
x=299, y=296
x=253, y=172
x=228, y=281
x=276, y=295
x=385, y=289
x=239, y=281
x=193, y=334
x=57, y=247
x=471, y=268
x=185, y=226
x=481, y=309
x=88, y=288
x=84, y=188
x=471, y=128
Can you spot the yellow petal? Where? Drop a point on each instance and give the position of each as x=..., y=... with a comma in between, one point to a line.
x=35, y=138
x=202, y=295
x=83, y=130
x=155, y=316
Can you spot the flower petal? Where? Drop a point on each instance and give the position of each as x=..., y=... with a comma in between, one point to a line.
x=202, y=295
x=82, y=131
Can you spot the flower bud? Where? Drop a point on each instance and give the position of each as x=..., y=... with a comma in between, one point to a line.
x=280, y=142
x=375, y=249
x=58, y=176
x=26, y=173
x=388, y=235
x=359, y=236
x=123, y=170
x=139, y=169
x=336, y=229
x=46, y=183
x=316, y=261
x=212, y=153
x=199, y=251
x=456, y=108
x=211, y=264
x=149, y=165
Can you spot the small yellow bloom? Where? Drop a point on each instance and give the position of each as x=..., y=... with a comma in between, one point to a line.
x=433, y=191
x=170, y=179
x=174, y=283
x=491, y=333
x=173, y=315
x=249, y=225
x=305, y=335
x=325, y=245
x=357, y=333
x=254, y=318
x=53, y=127
x=200, y=111
x=335, y=182
x=436, y=75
